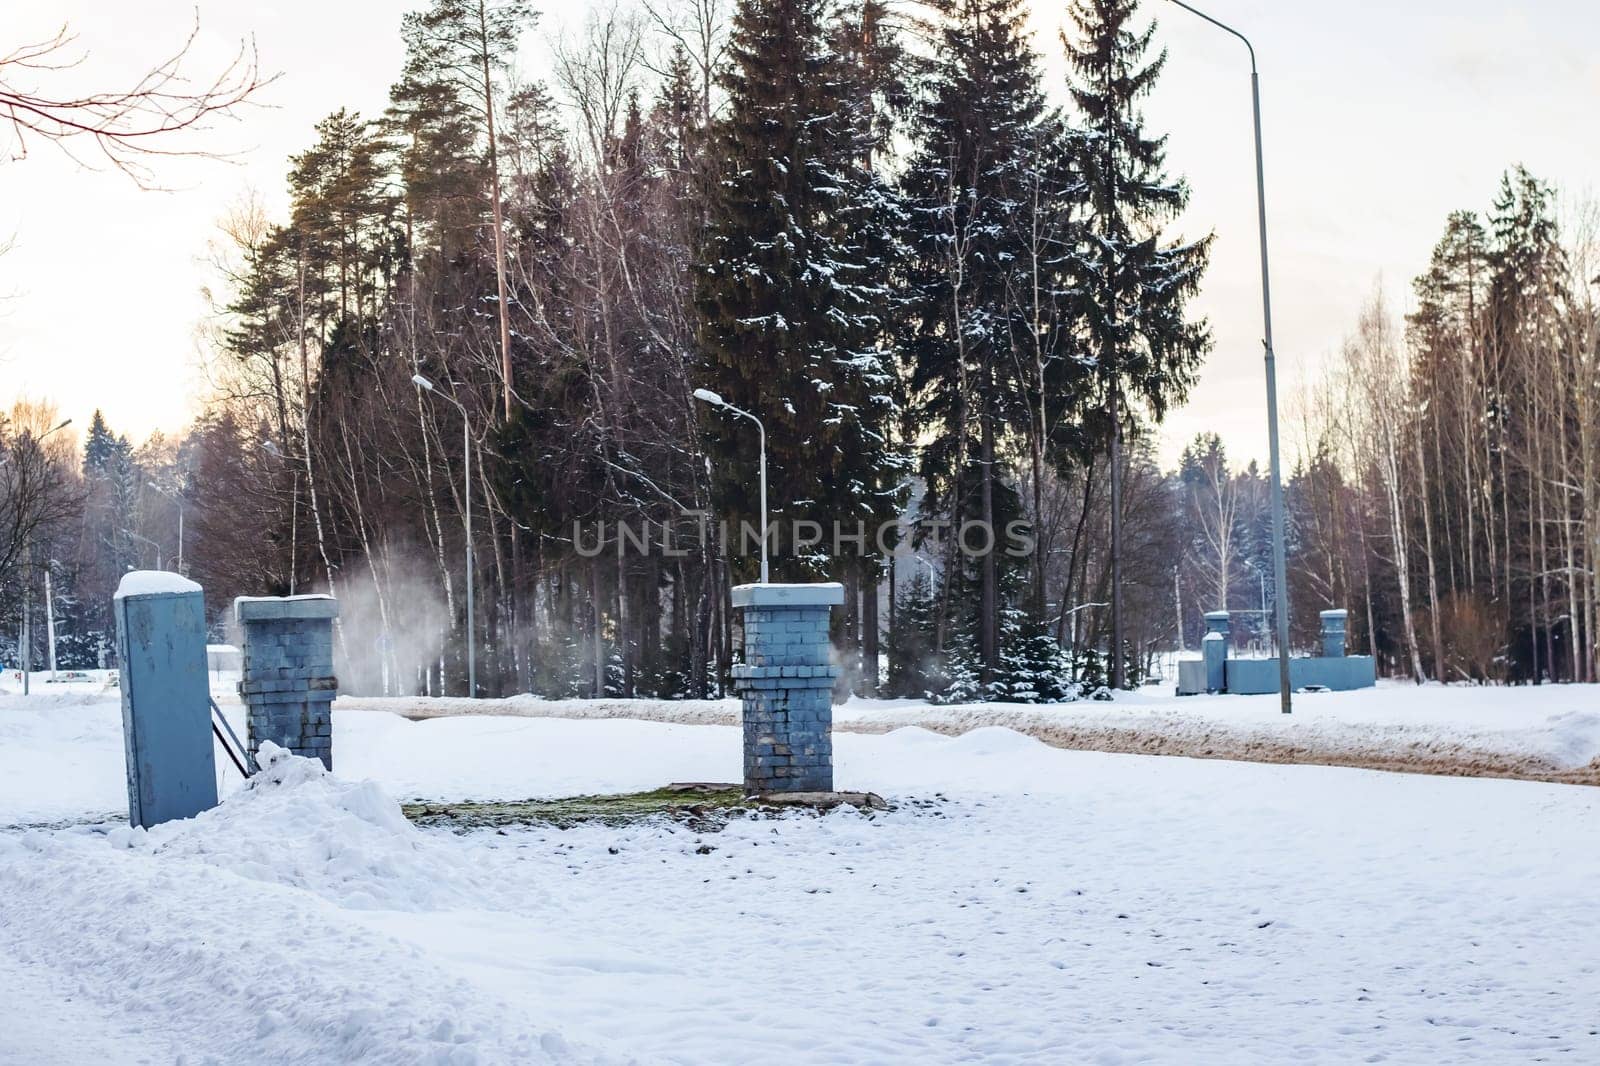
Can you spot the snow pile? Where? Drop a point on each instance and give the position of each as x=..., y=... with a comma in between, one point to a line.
x=295, y=824
x=240, y=932
x=1573, y=738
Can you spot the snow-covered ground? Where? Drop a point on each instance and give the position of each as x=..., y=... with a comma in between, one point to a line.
x=1547, y=733
x=1047, y=906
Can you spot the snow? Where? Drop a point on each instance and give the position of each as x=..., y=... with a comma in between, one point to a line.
x=1548, y=732
x=1022, y=903
x=279, y=599
x=153, y=583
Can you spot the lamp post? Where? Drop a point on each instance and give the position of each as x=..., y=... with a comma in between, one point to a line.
x=145, y=540
x=466, y=491
x=709, y=397
x=178, y=501
x=1279, y=566
x=27, y=585
x=50, y=618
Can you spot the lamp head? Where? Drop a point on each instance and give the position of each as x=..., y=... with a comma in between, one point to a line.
x=707, y=396
x=422, y=382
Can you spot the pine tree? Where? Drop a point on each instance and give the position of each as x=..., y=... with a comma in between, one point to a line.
x=435, y=139
x=1134, y=285
x=792, y=292
x=342, y=219
x=454, y=50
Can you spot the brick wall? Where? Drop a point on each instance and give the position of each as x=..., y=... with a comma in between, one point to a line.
x=786, y=685
x=287, y=680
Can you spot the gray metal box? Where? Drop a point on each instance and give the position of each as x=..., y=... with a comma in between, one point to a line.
x=166, y=708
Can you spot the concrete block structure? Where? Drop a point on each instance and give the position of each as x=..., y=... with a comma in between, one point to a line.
x=166, y=697
x=1333, y=669
x=1214, y=651
x=786, y=683
x=1334, y=624
x=287, y=681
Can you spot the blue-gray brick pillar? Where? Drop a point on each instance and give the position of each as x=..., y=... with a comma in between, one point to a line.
x=1215, y=651
x=786, y=683
x=287, y=680
x=166, y=693
x=1333, y=633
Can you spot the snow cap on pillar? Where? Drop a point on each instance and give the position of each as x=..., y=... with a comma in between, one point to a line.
x=823, y=594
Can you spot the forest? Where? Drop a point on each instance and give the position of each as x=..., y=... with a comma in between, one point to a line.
x=955, y=295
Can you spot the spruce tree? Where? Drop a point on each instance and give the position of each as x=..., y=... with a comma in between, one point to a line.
x=1134, y=283
x=984, y=141
x=99, y=447
x=911, y=656
x=792, y=290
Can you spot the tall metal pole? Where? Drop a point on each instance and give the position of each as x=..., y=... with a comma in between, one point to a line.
x=1279, y=565
x=27, y=614
x=472, y=646
x=762, y=430
x=709, y=397
x=294, y=528
x=50, y=622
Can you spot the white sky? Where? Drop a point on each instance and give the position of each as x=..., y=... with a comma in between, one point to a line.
x=1380, y=117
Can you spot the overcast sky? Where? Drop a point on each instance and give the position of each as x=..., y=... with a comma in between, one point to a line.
x=1381, y=116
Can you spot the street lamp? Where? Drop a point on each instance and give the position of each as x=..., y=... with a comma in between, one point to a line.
x=709, y=397
x=466, y=481
x=178, y=500
x=1279, y=566
x=145, y=540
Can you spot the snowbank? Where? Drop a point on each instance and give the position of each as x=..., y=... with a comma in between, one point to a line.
x=1549, y=733
x=295, y=824
x=230, y=934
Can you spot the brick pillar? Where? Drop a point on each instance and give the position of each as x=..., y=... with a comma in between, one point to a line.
x=786, y=682
x=1215, y=651
x=287, y=682
x=1334, y=624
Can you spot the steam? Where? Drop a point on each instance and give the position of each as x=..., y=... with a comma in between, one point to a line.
x=393, y=629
